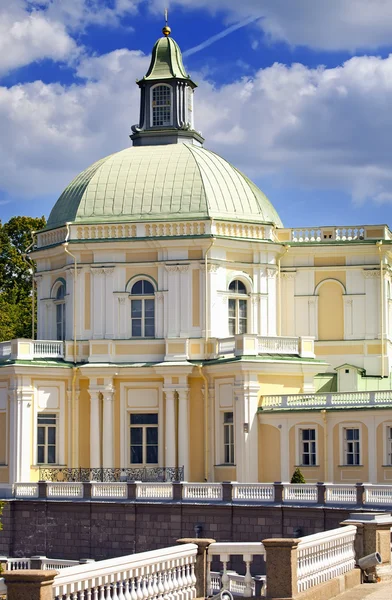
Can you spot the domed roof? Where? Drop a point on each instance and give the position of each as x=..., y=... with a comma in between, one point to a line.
x=163, y=182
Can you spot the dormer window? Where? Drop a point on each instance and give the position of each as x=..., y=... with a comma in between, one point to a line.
x=161, y=105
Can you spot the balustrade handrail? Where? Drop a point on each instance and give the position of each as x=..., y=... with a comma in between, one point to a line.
x=93, y=574
x=234, y=548
x=326, y=536
x=332, y=399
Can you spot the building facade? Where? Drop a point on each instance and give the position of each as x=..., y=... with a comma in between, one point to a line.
x=182, y=327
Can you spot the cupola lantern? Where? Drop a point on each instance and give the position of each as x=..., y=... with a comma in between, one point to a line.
x=166, y=102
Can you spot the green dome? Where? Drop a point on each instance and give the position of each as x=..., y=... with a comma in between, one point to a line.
x=166, y=182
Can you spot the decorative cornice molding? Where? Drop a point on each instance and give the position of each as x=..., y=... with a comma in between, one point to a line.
x=271, y=272
x=371, y=273
x=288, y=274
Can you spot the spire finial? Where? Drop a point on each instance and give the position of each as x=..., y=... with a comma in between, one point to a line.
x=166, y=30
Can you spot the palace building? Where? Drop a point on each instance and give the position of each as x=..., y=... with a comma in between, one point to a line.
x=184, y=332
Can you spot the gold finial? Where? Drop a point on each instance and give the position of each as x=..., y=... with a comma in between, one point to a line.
x=166, y=30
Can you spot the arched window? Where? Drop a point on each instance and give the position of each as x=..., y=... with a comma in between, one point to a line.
x=238, y=308
x=161, y=106
x=143, y=309
x=60, y=312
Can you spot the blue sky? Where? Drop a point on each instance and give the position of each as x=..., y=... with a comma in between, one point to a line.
x=299, y=98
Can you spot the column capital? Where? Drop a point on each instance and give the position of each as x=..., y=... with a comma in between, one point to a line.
x=182, y=393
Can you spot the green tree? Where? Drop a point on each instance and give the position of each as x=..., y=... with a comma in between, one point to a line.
x=16, y=276
x=297, y=476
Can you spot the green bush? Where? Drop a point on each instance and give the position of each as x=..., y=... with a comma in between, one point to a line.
x=297, y=476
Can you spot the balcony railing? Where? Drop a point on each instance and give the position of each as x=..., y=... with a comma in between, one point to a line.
x=152, y=474
x=25, y=349
x=321, y=494
x=335, y=233
x=330, y=400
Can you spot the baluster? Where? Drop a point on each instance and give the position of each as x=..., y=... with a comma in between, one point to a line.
x=108, y=595
x=193, y=577
x=209, y=583
x=75, y=596
x=161, y=589
x=180, y=582
x=120, y=586
x=133, y=590
x=150, y=586
x=155, y=582
x=89, y=595
x=172, y=581
x=144, y=586
x=139, y=587
x=166, y=585
x=225, y=577
x=127, y=594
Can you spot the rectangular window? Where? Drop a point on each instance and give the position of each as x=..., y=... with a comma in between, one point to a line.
x=228, y=438
x=308, y=447
x=389, y=446
x=46, y=438
x=351, y=446
x=144, y=438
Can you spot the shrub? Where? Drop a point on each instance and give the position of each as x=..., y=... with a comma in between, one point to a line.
x=297, y=476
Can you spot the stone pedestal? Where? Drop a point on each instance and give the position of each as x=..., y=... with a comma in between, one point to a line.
x=373, y=535
x=29, y=585
x=201, y=563
x=281, y=562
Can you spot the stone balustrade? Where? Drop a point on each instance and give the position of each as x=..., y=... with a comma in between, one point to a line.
x=223, y=551
x=329, y=400
x=25, y=349
x=320, y=494
x=353, y=233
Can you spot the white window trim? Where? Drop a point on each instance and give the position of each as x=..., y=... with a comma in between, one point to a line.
x=386, y=426
x=342, y=454
x=298, y=446
x=149, y=411
x=126, y=410
x=171, y=105
x=219, y=411
x=60, y=414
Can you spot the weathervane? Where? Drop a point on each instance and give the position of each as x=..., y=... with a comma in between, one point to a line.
x=166, y=30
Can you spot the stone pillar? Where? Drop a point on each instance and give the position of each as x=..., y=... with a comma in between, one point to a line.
x=201, y=563
x=281, y=564
x=95, y=430
x=98, y=302
x=170, y=429
x=29, y=584
x=109, y=303
x=108, y=429
x=373, y=535
x=183, y=431
x=21, y=414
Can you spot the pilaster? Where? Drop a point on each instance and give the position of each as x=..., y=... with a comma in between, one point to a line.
x=21, y=414
x=183, y=430
x=246, y=428
x=170, y=430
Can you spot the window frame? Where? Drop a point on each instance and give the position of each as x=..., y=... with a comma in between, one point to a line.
x=154, y=87
x=144, y=438
x=387, y=453
x=143, y=298
x=300, y=452
x=343, y=441
x=227, y=426
x=60, y=302
x=237, y=297
x=45, y=426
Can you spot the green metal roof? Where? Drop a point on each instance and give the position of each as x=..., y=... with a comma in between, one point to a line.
x=166, y=61
x=163, y=182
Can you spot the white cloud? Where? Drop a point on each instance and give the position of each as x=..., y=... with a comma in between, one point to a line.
x=323, y=24
x=26, y=37
x=317, y=128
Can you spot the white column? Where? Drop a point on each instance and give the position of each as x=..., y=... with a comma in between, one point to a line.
x=21, y=402
x=109, y=303
x=183, y=431
x=108, y=432
x=95, y=431
x=170, y=429
x=272, y=301
x=284, y=451
x=98, y=316
x=185, y=300
x=246, y=431
x=372, y=449
x=173, y=317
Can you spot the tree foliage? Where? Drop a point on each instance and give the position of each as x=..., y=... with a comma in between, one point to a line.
x=16, y=276
x=297, y=476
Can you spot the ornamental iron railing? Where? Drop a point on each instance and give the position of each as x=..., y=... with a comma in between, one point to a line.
x=106, y=475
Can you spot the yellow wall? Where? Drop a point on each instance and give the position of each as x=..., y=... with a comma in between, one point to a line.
x=330, y=312
x=350, y=474
x=145, y=256
x=329, y=260
x=196, y=418
x=269, y=453
x=142, y=270
x=282, y=384
x=3, y=437
x=84, y=424
x=223, y=473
